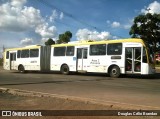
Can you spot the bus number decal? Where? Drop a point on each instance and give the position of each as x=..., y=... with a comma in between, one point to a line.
x=95, y=61
x=33, y=61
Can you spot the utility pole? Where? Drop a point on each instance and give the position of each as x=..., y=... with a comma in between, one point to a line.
x=3, y=48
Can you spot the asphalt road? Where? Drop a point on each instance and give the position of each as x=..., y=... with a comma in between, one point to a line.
x=143, y=92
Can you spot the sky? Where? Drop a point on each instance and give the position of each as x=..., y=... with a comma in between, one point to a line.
x=30, y=22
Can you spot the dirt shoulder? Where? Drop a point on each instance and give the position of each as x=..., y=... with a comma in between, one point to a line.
x=12, y=100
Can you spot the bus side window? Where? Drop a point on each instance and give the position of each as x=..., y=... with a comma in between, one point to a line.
x=18, y=53
x=25, y=53
x=114, y=49
x=70, y=51
x=34, y=52
x=79, y=53
x=14, y=57
x=7, y=55
x=59, y=51
x=85, y=53
x=99, y=49
x=144, y=60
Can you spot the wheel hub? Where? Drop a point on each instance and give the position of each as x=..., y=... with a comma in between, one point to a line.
x=114, y=71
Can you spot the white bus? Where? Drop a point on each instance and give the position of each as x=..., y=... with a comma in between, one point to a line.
x=115, y=57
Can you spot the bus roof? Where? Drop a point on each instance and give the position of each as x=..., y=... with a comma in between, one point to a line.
x=101, y=42
x=81, y=43
x=26, y=47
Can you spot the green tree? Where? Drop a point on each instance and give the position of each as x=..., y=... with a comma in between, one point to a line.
x=147, y=27
x=50, y=41
x=64, y=38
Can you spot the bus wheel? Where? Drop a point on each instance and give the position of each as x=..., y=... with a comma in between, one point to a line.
x=65, y=69
x=114, y=72
x=21, y=69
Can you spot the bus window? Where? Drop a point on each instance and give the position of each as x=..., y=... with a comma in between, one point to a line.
x=59, y=51
x=85, y=53
x=114, y=49
x=18, y=53
x=99, y=49
x=34, y=52
x=14, y=57
x=144, y=60
x=137, y=59
x=7, y=55
x=24, y=53
x=151, y=55
x=70, y=51
x=79, y=53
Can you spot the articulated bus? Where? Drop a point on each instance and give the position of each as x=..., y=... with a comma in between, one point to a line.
x=115, y=57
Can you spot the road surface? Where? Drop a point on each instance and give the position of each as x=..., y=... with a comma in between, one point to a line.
x=141, y=92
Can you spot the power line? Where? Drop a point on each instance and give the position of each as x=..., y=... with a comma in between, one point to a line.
x=60, y=22
x=51, y=6
x=67, y=14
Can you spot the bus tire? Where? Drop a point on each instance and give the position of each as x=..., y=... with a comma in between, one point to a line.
x=65, y=69
x=114, y=72
x=21, y=69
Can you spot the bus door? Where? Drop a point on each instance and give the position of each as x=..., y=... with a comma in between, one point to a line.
x=12, y=61
x=82, y=55
x=133, y=60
